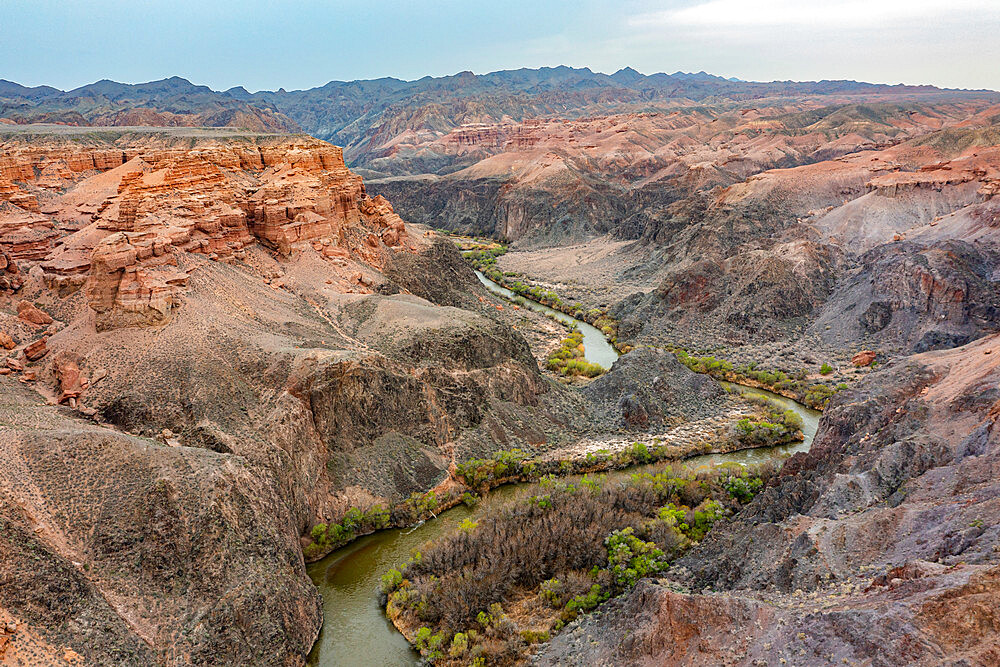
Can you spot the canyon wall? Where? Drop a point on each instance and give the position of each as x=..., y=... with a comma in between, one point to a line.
x=878, y=546
x=232, y=342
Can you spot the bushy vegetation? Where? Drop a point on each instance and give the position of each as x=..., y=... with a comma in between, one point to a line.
x=482, y=256
x=568, y=358
x=329, y=536
x=546, y=559
x=516, y=465
x=778, y=426
x=795, y=385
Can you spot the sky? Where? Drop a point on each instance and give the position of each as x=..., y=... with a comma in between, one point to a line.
x=266, y=45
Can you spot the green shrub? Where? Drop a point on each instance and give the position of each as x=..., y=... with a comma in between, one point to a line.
x=825, y=369
x=742, y=487
x=551, y=591
x=631, y=559
x=459, y=645
x=391, y=581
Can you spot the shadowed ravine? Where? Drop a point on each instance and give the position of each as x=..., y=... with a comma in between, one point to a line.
x=355, y=630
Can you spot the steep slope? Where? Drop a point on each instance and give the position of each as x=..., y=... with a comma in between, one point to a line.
x=221, y=305
x=880, y=545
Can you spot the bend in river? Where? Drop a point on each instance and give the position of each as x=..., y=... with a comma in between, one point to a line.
x=596, y=348
x=356, y=631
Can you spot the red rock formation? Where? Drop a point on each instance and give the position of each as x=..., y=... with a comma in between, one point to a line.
x=10, y=276
x=863, y=358
x=70, y=380
x=29, y=313
x=143, y=202
x=37, y=349
x=380, y=213
x=25, y=235
x=134, y=280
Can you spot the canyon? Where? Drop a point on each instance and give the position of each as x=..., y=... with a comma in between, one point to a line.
x=217, y=335
x=212, y=325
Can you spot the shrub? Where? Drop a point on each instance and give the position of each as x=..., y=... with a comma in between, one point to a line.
x=631, y=559
x=391, y=581
x=551, y=591
x=741, y=487
x=825, y=369
x=459, y=645
x=640, y=453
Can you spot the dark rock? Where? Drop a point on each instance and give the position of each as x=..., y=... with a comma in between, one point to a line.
x=648, y=388
x=876, y=317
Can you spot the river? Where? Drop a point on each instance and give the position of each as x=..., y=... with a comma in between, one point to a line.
x=596, y=348
x=355, y=630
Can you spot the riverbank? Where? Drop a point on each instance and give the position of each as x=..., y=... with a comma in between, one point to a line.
x=482, y=256
x=349, y=578
x=714, y=435
x=497, y=587
x=348, y=566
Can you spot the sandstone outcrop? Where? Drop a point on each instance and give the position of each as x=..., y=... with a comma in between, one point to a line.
x=123, y=219
x=10, y=276
x=864, y=358
x=36, y=350
x=29, y=313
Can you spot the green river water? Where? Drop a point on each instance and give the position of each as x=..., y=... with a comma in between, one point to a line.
x=356, y=632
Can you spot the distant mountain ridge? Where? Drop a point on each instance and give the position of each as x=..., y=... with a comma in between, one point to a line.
x=353, y=113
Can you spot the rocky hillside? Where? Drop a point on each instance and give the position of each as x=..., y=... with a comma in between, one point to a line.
x=880, y=546
x=884, y=247
x=173, y=102
x=231, y=342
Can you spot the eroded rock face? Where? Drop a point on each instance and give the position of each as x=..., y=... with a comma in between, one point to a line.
x=145, y=202
x=649, y=388
x=912, y=297
x=190, y=546
x=879, y=544
x=10, y=276
x=134, y=280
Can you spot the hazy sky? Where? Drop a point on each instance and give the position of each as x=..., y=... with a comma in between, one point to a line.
x=267, y=45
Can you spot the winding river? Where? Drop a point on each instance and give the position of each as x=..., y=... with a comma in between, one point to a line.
x=356, y=632
x=596, y=348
